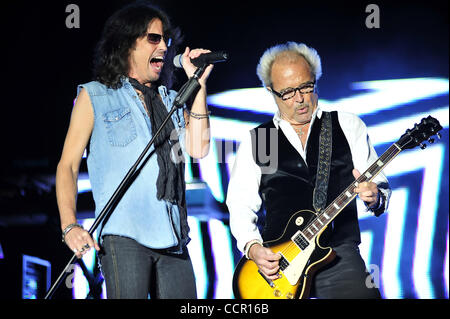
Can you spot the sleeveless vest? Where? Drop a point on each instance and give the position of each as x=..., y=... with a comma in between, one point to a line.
x=288, y=186
x=121, y=131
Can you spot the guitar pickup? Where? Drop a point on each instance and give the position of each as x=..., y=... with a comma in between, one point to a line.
x=300, y=241
x=283, y=262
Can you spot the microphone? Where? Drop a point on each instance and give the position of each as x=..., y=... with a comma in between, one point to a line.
x=203, y=59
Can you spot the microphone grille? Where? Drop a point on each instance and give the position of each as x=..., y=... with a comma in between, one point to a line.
x=177, y=61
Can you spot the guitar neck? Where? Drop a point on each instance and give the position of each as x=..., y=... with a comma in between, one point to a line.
x=325, y=216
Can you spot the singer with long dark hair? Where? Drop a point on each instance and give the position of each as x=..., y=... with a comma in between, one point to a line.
x=142, y=246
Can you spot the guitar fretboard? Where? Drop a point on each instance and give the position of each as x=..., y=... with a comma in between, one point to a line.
x=324, y=217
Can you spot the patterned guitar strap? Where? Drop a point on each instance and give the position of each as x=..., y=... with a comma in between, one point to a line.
x=323, y=163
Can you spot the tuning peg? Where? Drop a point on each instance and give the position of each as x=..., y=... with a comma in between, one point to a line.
x=438, y=135
x=422, y=146
x=431, y=140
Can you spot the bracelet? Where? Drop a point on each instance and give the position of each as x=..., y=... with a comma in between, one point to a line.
x=68, y=229
x=199, y=116
x=249, y=245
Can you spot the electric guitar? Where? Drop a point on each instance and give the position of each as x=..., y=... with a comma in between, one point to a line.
x=299, y=245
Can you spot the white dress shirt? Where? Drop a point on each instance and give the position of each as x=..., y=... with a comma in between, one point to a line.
x=243, y=198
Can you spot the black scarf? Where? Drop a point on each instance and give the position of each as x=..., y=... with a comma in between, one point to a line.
x=170, y=185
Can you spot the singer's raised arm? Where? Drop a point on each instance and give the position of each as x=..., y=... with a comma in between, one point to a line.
x=197, y=119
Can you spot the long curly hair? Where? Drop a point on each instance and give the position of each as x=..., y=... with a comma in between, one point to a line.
x=119, y=36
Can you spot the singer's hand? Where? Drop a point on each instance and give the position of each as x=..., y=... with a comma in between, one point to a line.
x=80, y=242
x=190, y=69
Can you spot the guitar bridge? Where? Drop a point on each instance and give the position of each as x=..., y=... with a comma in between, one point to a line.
x=283, y=262
x=270, y=282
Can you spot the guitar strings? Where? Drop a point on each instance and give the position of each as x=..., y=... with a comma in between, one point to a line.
x=340, y=200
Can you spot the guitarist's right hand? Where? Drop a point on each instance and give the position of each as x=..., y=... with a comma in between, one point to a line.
x=266, y=260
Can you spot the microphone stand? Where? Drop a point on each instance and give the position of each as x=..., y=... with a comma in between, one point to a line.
x=182, y=97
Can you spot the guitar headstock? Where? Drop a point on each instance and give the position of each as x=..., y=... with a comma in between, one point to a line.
x=420, y=133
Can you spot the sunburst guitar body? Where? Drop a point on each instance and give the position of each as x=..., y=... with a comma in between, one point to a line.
x=300, y=259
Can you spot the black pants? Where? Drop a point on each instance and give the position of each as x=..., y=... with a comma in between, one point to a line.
x=133, y=271
x=345, y=277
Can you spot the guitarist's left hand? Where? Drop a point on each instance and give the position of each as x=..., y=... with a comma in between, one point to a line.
x=367, y=191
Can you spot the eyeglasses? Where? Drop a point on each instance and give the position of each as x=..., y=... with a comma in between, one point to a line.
x=155, y=38
x=289, y=93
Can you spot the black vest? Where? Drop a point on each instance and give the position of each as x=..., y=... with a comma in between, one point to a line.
x=289, y=185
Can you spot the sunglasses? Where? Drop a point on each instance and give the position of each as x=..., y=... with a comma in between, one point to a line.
x=155, y=38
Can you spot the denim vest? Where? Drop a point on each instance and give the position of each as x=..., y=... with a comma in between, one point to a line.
x=121, y=131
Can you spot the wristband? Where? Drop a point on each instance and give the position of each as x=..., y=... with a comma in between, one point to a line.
x=249, y=245
x=68, y=229
x=379, y=209
x=199, y=116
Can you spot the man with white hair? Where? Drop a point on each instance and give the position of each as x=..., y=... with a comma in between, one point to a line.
x=277, y=166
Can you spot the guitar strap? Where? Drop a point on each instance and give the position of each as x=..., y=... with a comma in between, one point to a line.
x=323, y=163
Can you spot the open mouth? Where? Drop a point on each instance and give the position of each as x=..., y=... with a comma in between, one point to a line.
x=157, y=63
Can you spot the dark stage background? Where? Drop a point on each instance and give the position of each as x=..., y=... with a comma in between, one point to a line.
x=391, y=76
